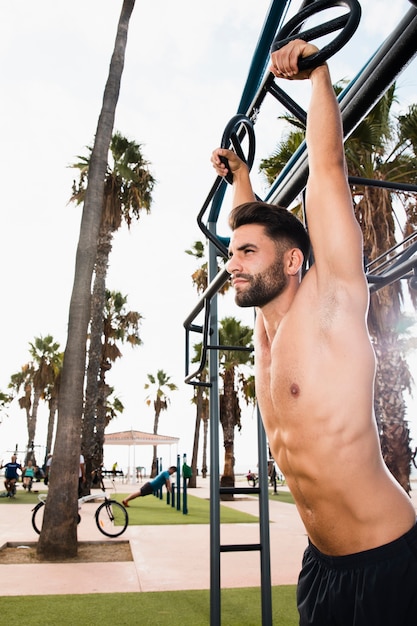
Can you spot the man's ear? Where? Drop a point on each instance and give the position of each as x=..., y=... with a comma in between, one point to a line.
x=295, y=260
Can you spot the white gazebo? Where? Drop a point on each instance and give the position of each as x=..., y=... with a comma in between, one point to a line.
x=137, y=438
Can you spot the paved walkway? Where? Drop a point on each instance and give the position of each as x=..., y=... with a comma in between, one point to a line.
x=164, y=558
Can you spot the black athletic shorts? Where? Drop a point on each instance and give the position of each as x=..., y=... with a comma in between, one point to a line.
x=376, y=587
x=146, y=489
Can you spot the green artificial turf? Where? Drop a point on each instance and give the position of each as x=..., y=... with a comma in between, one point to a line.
x=23, y=497
x=150, y=510
x=239, y=607
x=281, y=496
x=153, y=511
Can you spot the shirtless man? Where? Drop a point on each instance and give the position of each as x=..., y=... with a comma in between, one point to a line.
x=315, y=370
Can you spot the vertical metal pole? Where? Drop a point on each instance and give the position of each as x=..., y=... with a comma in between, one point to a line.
x=215, y=604
x=184, y=489
x=178, y=483
x=266, y=596
x=157, y=492
x=160, y=470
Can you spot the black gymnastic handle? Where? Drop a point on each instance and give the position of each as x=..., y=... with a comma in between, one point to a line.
x=231, y=136
x=346, y=23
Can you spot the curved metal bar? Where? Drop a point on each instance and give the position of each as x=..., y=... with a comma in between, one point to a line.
x=231, y=135
x=355, y=102
x=203, y=303
x=409, y=250
x=216, y=194
x=391, y=276
x=348, y=22
x=189, y=378
x=235, y=131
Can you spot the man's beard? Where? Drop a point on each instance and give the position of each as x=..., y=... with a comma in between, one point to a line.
x=262, y=287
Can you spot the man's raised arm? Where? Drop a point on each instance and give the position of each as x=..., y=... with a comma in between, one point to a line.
x=242, y=188
x=333, y=229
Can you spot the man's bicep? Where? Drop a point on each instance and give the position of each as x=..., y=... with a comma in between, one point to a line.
x=334, y=231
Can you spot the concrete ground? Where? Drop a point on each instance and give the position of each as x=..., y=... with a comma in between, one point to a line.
x=164, y=557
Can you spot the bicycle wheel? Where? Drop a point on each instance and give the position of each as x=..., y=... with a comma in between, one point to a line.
x=111, y=518
x=37, y=517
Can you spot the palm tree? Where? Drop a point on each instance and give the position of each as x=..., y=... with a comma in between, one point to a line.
x=5, y=400
x=36, y=378
x=52, y=394
x=58, y=538
x=128, y=187
x=24, y=380
x=380, y=148
x=159, y=385
x=119, y=326
x=114, y=407
x=232, y=333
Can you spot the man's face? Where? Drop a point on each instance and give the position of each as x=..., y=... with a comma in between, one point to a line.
x=256, y=266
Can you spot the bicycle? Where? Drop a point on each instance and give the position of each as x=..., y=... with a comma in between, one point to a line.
x=111, y=517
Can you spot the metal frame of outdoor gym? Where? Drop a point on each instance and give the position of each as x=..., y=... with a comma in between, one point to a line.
x=400, y=262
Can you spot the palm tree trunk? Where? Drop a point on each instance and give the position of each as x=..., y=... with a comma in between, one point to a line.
x=104, y=392
x=155, y=448
x=32, y=420
x=229, y=417
x=53, y=407
x=376, y=217
x=89, y=443
x=392, y=378
x=192, y=482
x=58, y=538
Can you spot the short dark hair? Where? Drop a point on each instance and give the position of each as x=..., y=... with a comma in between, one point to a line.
x=279, y=223
x=173, y=467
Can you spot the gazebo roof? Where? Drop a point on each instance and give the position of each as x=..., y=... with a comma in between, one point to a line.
x=137, y=438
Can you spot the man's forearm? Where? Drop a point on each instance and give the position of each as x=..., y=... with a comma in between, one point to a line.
x=242, y=187
x=324, y=127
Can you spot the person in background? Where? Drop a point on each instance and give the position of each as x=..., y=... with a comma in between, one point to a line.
x=81, y=476
x=48, y=469
x=28, y=474
x=251, y=478
x=150, y=487
x=11, y=475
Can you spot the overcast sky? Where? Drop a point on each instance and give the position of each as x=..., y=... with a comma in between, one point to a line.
x=186, y=66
